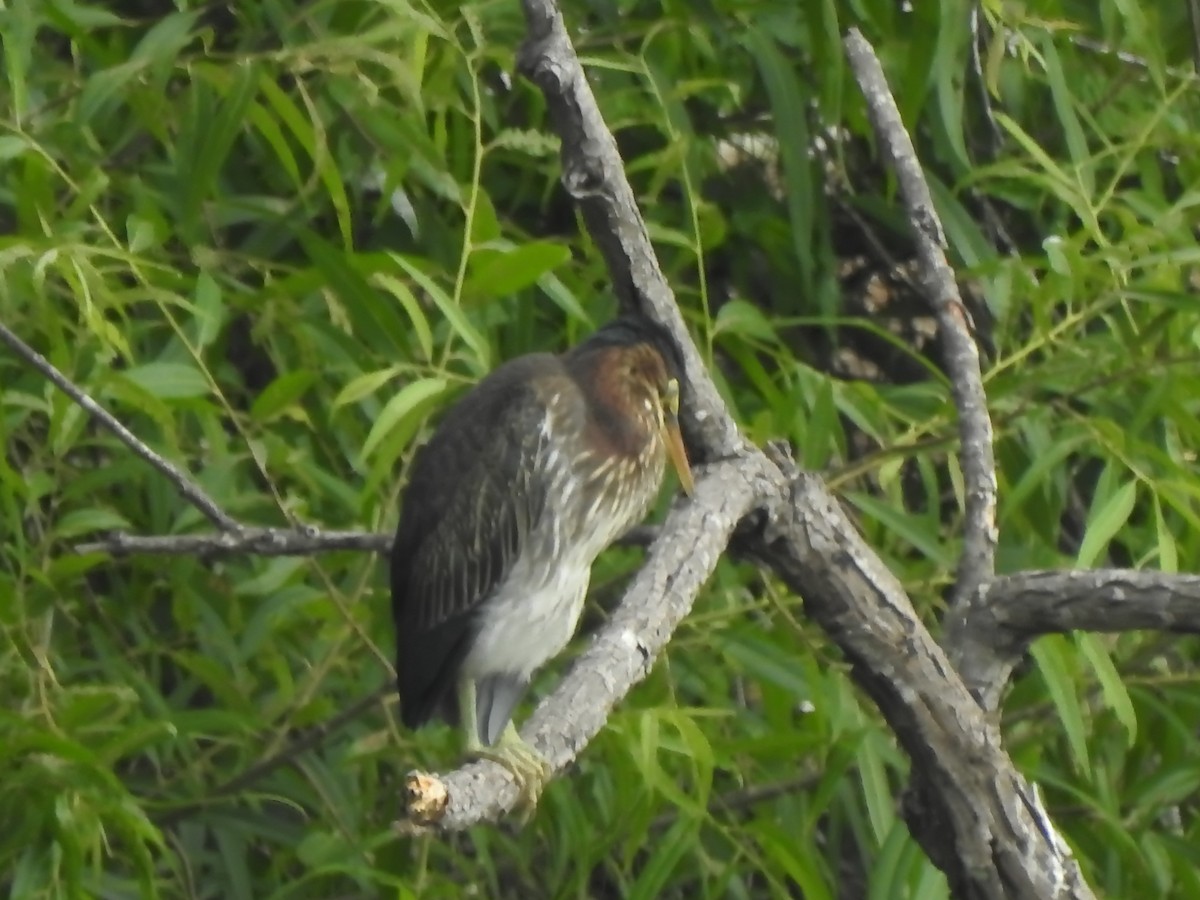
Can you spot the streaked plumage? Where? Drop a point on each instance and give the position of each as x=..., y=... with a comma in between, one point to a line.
x=526, y=480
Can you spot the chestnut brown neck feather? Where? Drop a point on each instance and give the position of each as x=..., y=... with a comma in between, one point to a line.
x=613, y=382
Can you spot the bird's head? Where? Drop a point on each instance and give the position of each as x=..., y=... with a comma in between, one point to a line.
x=637, y=366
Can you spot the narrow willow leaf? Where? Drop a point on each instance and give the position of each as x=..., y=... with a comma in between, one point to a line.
x=1051, y=653
x=471, y=336
x=563, y=297
x=791, y=124
x=1168, y=549
x=505, y=272
x=377, y=323
x=1064, y=107
x=949, y=57
x=887, y=872
x=365, y=385
x=89, y=521
x=1112, y=688
x=281, y=394
x=220, y=97
x=905, y=526
x=797, y=858
x=401, y=406
x=209, y=312
x=743, y=318
x=876, y=791
x=1104, y=521
x=168, y=381
x=267, y=126
x=665, y=855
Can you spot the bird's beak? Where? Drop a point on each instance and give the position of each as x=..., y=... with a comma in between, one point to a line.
x=679, y=455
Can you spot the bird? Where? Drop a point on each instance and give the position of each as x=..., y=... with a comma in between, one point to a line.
x=526, y=479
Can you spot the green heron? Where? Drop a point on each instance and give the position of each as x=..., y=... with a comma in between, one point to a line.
x=533, y=473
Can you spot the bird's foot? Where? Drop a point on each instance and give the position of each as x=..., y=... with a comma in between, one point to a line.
x=528, y=768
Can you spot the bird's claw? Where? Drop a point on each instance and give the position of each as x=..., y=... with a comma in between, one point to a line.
x=529, y=770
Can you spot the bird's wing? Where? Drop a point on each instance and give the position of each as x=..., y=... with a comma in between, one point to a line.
x=473, y=496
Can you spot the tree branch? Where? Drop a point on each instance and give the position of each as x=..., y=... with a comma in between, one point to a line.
x=978, y=562
x=1013, y=610
x=976, y=816
x=194, y=494
x=247, y=540
x=252, y=540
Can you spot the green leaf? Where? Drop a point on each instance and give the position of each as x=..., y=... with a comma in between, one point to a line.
x=1116, y=697
x=209, y=310
x=1168, y=549
x=1064, y=107
x=365, y=385
x=416, y=315
x=914, y=530
x=564, y=298
x=281, y=394
x=1051, y=654
x=664, y=857
x=399, y=408
x=791, y=124
x=876, y=790
x=474, y=339
x=168, y=381
x=376, y=321
x=219, y=99
x=797, y=858
x=740, y=317
x=498, y=273
x=89, y=521
x=1106, y=518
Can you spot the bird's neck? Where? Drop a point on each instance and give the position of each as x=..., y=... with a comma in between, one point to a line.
x=620, y=415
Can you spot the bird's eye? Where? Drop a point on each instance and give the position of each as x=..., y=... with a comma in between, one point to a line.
x=671, y=396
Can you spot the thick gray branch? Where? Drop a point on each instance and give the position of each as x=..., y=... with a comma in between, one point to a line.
x=978, y=819
x=693, y=538
x=978, y=562
x=1013, y=610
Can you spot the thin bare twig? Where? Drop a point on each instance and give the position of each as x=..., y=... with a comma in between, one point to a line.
x=251, y=540
x=248, y=540
x=194, y=494
x=978, y=562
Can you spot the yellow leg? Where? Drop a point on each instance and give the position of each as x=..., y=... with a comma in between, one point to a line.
x=527, y=767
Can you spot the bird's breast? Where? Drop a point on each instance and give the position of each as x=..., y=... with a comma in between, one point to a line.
x=589, y=500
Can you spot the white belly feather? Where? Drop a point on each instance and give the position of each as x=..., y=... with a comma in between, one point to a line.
x=529, y=619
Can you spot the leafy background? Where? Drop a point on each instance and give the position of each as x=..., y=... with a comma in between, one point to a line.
x=276, y=239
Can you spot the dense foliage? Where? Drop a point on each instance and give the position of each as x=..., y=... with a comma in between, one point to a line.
x=276, y=238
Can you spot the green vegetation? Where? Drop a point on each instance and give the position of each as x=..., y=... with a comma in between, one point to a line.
x=276, y=242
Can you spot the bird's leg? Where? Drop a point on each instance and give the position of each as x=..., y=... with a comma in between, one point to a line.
x=527, y=767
